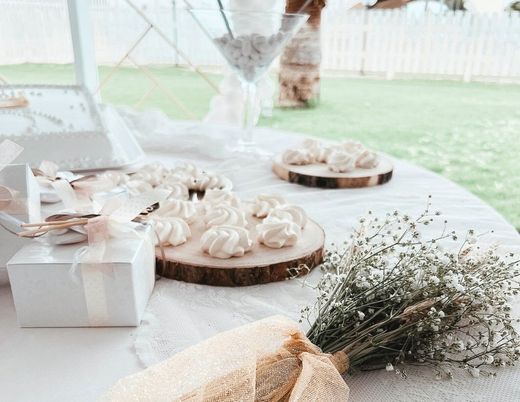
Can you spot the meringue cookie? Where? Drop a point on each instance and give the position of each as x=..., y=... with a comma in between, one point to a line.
x=265, y=203
x=153, y=174
x=188, y=169
x=226, y=241
x=367, y=160
x=179, y=177
x=319, y=152
x=311, y=144
x=219, y=197
x=115, y=177
x=178, y=190
x=278, y=234
x=297, y=156
x=342, y=162
x=291, y=213
x=170, y=231
x=136, y=187
x=156, y=167
x=323, y=154
x=177, y=208
x=225, y=215
x=184, y=174
x=207, y=181
x=352, y=147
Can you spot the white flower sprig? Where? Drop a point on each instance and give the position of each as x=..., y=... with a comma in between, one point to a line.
x=389, y=297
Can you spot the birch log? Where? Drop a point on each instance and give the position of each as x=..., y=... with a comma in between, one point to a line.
x=300, y=62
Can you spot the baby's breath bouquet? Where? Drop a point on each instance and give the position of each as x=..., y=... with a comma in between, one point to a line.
x=389, y=297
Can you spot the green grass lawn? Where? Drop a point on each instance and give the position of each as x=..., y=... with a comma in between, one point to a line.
x=468, y=132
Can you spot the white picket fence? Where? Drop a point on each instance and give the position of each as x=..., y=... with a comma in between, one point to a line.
x=393, y=42
x=388, y=43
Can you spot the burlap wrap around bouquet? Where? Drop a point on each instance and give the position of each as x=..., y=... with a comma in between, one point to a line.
x=268, y=360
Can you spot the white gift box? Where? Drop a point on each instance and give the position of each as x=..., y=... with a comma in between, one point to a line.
x=18, y=182
x=47, y=292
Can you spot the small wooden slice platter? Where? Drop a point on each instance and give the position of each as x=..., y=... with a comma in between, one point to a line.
x=262, y=264
x=318, y=175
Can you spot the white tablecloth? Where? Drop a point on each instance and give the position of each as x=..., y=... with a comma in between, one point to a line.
x=80, y=364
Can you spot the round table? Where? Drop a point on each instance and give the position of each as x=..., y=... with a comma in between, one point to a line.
x=80, y=364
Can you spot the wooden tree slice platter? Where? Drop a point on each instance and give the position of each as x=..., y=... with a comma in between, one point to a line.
x=262, y=264
x=318, y=175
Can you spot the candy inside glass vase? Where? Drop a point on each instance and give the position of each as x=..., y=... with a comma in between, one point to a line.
x=250, y=55
x=249, y=41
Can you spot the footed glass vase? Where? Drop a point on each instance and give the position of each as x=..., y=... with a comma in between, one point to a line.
x=249, y=41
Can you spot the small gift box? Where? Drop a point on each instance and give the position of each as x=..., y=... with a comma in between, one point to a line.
x=19, y=199
x=56, y=286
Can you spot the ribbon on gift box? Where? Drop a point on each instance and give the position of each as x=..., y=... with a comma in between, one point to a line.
x=10, y=201
x=267, y=360
x=74, y=192
x=116, y=220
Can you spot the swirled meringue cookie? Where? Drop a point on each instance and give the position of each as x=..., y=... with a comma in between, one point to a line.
x=265, y=203
x=152, y=174
x=136, y=187
x=353, y=147
x=207, y=181
x=213, y=197
x=177, y=208
x=342, y=162
x=178, y=177
x=178, y=190
x=288, y=212
x=319, y=152
x=170, y=231
x=152, y=178
x=225, y=215
x=115, y=177
x=156, y=167
x=323, y=154
x=188, y=169
x=297, y=156
x=184, y=174
x=311, y=144
x=278, y=233
x=226, y=241
x=367, y=160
